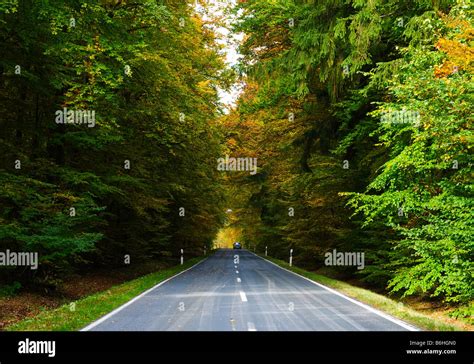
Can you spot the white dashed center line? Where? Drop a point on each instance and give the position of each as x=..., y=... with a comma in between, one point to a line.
x=237, y=271
x=243, y=296
x=238, y=280
x=251, y=326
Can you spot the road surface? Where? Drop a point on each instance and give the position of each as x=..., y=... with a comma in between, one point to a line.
x=253, y=294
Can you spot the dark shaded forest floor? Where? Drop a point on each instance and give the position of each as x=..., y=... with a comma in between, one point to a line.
x=27, y=303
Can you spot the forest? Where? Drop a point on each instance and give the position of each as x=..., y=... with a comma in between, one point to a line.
x=356, y=114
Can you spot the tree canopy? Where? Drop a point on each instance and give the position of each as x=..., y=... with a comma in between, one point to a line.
x=358, y=113
x=139, y=181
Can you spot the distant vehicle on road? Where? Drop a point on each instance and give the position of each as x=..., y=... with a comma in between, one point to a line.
x=237, y=245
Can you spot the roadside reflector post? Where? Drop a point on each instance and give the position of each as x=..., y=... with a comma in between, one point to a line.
x=182, y=257
x=291, y=257
x=266, y=250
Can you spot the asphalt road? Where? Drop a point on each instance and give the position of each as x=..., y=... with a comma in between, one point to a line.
x=253, y=294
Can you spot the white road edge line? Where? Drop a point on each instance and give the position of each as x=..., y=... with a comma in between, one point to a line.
x=239, y=280
x=251, y=326
x=120, y=308
x=367, y=307
x=243, y=296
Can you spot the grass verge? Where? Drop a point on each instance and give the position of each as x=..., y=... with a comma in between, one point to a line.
x=380, y=302
x=91, y=308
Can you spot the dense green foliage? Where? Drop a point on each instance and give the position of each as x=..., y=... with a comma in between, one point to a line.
x=358, y=112
x=360, y=115
x=149, y=70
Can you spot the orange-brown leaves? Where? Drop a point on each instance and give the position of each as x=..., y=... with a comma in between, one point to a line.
x=459, y=50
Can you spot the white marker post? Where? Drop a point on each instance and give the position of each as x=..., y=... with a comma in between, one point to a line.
x=291, y=257
x=266, y=250
x=182, y=257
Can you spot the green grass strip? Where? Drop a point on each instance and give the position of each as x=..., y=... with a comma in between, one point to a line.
x=378, y=301
x=91, y=308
